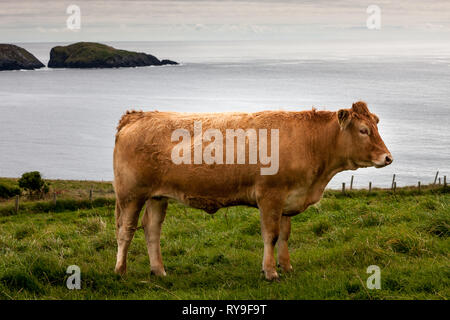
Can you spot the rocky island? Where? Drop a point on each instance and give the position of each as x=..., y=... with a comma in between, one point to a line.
x=97, y=55
x=13, y=57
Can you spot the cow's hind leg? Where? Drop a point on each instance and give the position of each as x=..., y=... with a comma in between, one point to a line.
x=283, y=251
x=152, y=221
x=127, y=216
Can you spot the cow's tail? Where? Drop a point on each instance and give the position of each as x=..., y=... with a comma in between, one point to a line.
x=129, y=117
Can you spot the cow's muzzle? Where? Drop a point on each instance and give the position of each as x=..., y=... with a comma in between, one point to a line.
x=384, y=160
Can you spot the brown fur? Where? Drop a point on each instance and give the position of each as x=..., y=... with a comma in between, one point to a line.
x=313, y=147
x=129, y=117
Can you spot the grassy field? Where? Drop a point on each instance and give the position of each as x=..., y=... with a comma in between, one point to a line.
x=219, y=257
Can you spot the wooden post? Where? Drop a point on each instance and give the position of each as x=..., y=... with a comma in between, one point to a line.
x=54, y=199
x=395, y=186
x=351, y=183
x=90, y=194
x=393, y=180
x=439, y=180
x=226, y=216
x=17, y=204
x=343, y=187
x=435, y=178
x=445, y=181
x=418, y=185
x=370, y=186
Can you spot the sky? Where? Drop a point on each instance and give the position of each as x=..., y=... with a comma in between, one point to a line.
x=413, y=22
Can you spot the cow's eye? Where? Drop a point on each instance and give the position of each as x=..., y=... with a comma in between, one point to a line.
x=364, y=131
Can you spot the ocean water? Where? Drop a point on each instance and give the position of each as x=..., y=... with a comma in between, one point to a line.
x=62, y=122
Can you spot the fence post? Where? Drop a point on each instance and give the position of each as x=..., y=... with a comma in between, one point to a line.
x=54, y=199
x=17, y=204
x=418, y=185
x=395, y=186
x=445, y=181
x=435, y=178
x=439, y=180
x=370, y=186
x=226, y=216
x=351, y=183
x=393, y=180
x=90, y=194
x=343, y=187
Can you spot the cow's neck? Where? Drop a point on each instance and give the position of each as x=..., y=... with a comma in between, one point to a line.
x=329, y=157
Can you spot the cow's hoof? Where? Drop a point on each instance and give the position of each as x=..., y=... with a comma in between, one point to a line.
x=121, y=270
x=286, y=267
x=271, y=275
x=159, y=272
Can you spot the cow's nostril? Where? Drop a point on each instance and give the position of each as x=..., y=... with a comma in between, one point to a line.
x=388, y=160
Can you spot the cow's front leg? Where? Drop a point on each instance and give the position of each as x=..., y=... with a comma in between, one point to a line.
x=283, y=252
x=270, y=229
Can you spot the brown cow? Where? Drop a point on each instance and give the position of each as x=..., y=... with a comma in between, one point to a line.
x=313, y=146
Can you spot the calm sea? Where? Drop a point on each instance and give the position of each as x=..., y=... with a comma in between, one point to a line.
x=62, y=122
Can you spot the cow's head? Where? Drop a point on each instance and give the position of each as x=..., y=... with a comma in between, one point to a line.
x=359, y=138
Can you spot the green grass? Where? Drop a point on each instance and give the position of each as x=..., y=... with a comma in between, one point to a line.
x=219, y=256
x=70, y=195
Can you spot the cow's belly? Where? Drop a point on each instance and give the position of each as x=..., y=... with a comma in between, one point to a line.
x=211, y=205
x=207, y=201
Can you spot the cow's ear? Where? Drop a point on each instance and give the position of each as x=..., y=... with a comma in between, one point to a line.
x=344, y=118
x=374, y=116
x=360, y=107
